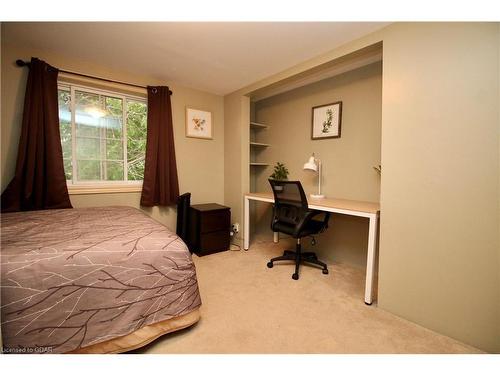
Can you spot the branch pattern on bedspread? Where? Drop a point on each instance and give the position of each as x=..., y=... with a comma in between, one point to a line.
x=77, y=277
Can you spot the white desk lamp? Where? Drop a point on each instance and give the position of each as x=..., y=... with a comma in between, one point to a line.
x=314, y=164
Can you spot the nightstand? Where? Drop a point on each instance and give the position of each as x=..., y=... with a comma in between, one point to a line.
x=209, y=228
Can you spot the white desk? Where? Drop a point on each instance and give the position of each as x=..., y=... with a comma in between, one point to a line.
x=340, y=206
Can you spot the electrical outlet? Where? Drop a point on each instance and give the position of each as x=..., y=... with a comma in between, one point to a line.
x=235, y=227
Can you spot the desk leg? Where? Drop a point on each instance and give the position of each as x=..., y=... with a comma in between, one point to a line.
x=246, y=225
x=370, y=263
x=276, y=237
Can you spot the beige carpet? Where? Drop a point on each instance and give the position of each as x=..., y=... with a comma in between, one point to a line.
x=248, y=308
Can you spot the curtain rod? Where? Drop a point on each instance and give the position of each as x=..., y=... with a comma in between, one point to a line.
x=22, y=63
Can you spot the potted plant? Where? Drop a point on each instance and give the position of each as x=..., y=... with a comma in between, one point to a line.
x=280, y=173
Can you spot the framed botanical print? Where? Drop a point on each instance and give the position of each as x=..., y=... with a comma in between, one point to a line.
x=326, y=121
x=198, y=123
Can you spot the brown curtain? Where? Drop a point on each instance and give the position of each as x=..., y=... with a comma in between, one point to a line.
x=39, y=181
x=160, y=186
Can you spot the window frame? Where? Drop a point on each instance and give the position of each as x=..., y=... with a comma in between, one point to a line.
x=100, y=186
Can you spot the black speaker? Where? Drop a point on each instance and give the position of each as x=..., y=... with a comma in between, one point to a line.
x=183, y=204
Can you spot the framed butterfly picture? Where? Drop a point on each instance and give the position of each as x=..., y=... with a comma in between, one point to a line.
x=198, y=123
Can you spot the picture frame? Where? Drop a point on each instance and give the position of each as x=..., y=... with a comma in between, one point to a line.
x=198, y=123
x=326, y=121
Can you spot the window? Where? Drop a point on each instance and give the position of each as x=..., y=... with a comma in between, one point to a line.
x=103, y=137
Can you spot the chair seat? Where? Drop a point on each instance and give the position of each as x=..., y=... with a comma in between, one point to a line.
x=311, y=227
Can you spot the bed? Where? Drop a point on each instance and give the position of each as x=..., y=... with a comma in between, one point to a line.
x=92, y=280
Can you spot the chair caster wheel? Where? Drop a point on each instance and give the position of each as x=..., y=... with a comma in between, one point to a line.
x=295, y=276
x=270, y=265
x=325, y=272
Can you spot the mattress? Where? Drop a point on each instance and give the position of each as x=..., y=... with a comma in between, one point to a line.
x=106, y=279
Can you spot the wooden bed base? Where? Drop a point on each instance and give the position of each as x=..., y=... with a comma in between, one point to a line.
x=142, y=336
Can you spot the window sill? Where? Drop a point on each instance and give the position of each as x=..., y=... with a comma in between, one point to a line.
x=77, y=190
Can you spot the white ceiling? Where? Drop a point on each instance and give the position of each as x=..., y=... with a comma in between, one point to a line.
x=211, y=56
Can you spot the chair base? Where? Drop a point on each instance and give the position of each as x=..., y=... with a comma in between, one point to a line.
x=298, y=257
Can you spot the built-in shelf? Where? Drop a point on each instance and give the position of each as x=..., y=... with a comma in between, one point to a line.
x=259, y=164
x=257, y=150
x=258, y=144
x=256, y=125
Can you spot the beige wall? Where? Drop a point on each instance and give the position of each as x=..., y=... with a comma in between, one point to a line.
x=439, y=238
x=236, y=149
x=347, y=161
x=200, y=163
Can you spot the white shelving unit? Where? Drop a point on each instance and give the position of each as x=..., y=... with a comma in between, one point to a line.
x=256, y=125
x=258, y=144
x=257, y=147
x=259, y=164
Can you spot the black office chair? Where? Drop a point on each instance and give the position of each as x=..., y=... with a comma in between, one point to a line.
x=292, y=216
x=183, y=204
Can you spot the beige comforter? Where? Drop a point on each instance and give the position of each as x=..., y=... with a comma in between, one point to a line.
x=76, y=277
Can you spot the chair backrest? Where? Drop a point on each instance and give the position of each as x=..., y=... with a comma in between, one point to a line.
x=183, y=204
x=290, y=201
